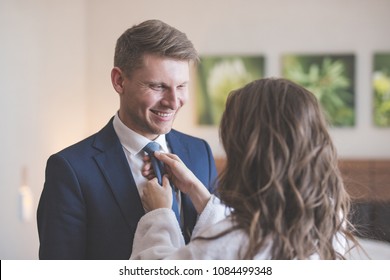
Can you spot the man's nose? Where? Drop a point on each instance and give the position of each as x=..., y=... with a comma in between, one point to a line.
x=172, y=99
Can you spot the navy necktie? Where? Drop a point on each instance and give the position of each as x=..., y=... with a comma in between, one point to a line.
x=158, y=168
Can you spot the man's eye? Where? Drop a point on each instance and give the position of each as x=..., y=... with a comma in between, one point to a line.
x=156, y=86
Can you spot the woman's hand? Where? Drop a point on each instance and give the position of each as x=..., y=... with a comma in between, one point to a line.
x=182, y=178
x=147, y=169
x=155, y=196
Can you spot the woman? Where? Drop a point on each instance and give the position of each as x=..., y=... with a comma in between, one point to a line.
x=281, y=184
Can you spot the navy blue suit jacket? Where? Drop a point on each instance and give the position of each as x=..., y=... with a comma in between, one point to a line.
x=89, y=207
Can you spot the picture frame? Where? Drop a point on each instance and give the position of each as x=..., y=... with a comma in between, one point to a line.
x=331, y=78
x=381, y=89
x=217, y=76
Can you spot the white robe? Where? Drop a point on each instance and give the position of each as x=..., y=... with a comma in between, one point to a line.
x=158, y=236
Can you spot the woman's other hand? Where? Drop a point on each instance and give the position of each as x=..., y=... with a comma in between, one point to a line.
x=155, y=196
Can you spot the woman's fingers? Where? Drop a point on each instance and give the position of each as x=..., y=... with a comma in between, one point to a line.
x=155, y=196
x=167, y=158
x=147, y=169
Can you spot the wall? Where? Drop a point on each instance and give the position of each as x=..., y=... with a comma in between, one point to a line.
x=42, y=104
x=56, y=57
x=271, y=28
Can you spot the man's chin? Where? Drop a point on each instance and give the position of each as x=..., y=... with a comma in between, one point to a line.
x=161, y=131
x=165, y=131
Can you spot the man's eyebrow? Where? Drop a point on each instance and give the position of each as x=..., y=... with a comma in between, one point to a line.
x=153, y=83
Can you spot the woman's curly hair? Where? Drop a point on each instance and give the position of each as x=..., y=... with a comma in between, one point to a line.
x=281, y=177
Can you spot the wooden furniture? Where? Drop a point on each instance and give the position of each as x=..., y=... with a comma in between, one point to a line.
x=368, y=183
x=365, y=180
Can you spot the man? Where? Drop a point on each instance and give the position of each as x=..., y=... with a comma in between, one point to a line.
x=90, y=204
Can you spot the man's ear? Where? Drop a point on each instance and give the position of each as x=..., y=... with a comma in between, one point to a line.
x=117, y=79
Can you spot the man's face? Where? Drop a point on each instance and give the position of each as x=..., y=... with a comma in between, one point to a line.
x=153, y=94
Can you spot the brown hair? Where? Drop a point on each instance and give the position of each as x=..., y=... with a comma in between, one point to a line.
x=282, y=178
x=151, y=37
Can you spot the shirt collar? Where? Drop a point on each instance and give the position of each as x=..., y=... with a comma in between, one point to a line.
x=132, y=141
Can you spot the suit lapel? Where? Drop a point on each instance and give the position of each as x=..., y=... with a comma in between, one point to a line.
x=113, y=164
x=178, y=147
x=115, y=168
x=181, y=150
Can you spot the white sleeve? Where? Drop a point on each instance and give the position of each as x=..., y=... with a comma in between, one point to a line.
x=214, y=212
x=157, y=236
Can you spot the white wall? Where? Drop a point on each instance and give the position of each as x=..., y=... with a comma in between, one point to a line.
x=56, y=57
x=42, y=103
x=271, y=28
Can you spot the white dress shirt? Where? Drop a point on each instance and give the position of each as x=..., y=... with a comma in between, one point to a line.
x=133, y=144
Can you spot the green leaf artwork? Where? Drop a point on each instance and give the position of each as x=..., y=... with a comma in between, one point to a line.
x=217, y=76
x=330, y=78
x=381, y=89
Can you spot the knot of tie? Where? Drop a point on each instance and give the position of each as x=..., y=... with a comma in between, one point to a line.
x=158, y=166
x=151, y=147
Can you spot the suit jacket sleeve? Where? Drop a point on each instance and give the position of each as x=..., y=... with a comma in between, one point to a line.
x=61, y=213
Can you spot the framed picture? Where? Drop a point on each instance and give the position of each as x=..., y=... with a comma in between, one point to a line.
x=330, y=78
x=381, y=89
x=217, y=76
